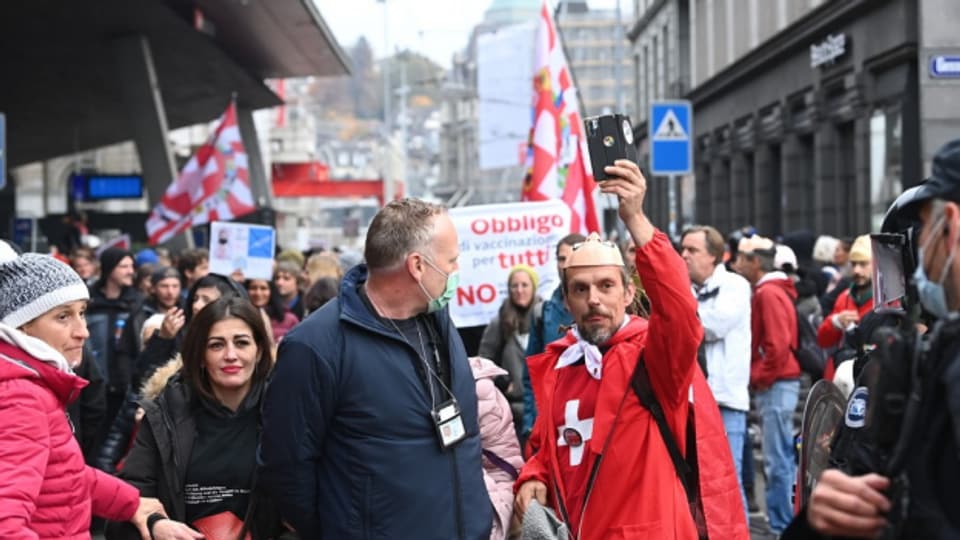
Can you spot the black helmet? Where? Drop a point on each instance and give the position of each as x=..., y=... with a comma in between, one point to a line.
x=895, y=248
x=902, y=214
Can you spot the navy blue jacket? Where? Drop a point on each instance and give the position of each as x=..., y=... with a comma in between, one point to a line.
x=349, y=449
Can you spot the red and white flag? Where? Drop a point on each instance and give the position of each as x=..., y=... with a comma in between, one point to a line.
x=557, y=157
x=213, y=186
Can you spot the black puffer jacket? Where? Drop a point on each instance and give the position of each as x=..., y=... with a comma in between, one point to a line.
x=157, y=464
x=128, y=349
x=88, y=411
x=158, y=353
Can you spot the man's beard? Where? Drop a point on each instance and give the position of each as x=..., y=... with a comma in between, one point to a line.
x=595, y=336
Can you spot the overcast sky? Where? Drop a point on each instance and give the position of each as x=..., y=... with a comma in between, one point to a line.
x=437, y=28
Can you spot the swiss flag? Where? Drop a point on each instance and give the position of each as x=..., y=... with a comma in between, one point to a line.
x=557, y=162
x=213, y=186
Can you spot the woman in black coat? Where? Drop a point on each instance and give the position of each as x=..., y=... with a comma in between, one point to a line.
x=158, y=349
x=195, y=449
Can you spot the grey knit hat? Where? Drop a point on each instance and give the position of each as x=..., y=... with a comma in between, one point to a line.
x=33, y=284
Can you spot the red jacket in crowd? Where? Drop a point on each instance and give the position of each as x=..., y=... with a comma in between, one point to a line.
x=46, y=489
x=774, y=327
x=829, y=335
x=637, y=493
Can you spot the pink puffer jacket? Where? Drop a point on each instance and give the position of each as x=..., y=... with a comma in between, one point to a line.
x=498, y=436
x=46, y=490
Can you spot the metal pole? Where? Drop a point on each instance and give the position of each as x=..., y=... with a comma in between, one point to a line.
x=402, y=93
x=34, y=224
x=672, y=203
x=618, y=61
x=388, y=191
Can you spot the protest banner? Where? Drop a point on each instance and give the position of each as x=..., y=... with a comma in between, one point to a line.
x=494, y=238
x=244, y=247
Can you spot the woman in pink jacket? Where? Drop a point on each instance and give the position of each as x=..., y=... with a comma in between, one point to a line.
x=46, y=489
x=502, y=458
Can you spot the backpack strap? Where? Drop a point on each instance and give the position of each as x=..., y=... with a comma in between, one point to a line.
x=687, y=470
x=501, y=463
x=536, y=322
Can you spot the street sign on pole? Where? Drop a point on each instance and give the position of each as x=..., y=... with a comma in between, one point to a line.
x=671, y=148
x=3, y=151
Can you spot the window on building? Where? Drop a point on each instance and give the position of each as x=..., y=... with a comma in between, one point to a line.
x=647, y=78
x=886, y=162
x=655, y=87
x=638, y=86
x=666, y=89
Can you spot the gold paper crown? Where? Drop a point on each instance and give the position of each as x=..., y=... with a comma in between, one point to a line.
x=595, y=252
x=754, y=244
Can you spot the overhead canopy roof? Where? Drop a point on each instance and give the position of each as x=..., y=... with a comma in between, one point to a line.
x=61, y=88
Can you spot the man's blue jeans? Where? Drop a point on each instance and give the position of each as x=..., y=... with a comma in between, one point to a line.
x=735, y=425
x=777, y=405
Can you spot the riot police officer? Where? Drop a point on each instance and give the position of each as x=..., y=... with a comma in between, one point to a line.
x=911, y=493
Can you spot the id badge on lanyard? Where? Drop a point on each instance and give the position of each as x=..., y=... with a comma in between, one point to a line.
x=449, y=423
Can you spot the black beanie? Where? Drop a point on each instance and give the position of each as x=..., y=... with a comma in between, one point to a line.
x=109, y=260
x=164, y=272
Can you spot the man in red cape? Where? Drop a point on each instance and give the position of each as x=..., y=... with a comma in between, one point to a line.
x=602, y=462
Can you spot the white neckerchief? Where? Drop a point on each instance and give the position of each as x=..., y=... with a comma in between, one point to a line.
x=592, y=357
x=34, y=347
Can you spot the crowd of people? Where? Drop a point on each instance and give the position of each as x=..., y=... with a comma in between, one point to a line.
x=338, y=400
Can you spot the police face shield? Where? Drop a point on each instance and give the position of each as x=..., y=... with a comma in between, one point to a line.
x=893, y=263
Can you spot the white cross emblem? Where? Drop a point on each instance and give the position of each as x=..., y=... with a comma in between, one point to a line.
x=581, y=428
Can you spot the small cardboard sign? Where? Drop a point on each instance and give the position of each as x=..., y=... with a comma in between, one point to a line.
x=244, y=247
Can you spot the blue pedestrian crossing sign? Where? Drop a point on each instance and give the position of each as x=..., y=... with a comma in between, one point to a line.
x=671, y=129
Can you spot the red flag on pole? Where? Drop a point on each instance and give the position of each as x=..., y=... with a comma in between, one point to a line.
x=213, y=186
x=557, y=158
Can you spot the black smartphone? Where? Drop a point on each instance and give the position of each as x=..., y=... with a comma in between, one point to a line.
x=609, y=138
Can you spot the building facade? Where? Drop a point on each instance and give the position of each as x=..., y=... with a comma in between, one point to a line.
x=659, y=45
x=593, y=43
x=461, y=180
x=816, y=114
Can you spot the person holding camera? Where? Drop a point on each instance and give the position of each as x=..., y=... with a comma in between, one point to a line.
x=914, y=499
x=607, y=463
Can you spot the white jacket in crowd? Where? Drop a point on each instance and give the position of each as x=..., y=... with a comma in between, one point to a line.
x=724, y=309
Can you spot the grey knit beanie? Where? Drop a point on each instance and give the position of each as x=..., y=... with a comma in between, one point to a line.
x=33, y=284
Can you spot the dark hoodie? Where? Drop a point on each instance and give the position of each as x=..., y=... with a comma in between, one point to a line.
x=774, y=327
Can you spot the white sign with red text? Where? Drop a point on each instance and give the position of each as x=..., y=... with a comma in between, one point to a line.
x=494, y=238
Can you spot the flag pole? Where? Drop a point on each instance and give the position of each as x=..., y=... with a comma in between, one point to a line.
x=188, y=232
x=188, y=236
x=561, y=9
